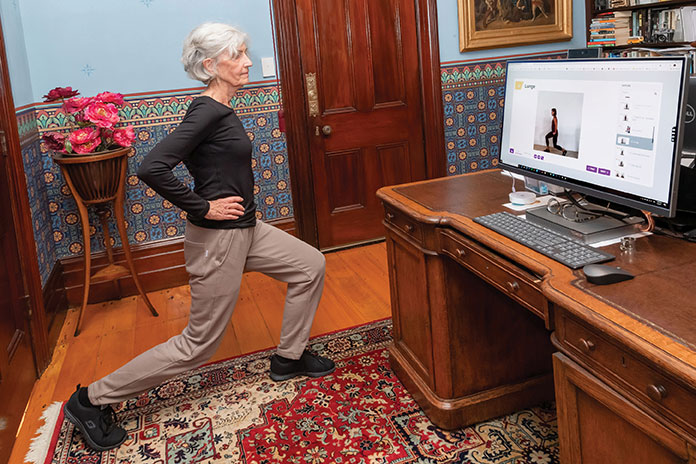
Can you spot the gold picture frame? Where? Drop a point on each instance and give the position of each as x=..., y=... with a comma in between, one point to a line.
x=505, y=23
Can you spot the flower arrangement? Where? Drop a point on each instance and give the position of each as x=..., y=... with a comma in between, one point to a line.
x=92, y=122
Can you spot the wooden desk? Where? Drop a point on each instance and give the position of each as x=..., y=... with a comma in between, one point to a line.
x=484, y=326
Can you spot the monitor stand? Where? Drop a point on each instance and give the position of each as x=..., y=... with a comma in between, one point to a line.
x=589, y=231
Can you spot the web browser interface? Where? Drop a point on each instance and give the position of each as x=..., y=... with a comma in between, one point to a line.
x=606, y=123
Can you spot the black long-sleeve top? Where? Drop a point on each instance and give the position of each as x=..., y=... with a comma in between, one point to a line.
x=213, y=145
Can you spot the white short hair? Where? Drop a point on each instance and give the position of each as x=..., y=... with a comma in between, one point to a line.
x=209, y=40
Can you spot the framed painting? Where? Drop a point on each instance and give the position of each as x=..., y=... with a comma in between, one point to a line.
x=506, y=23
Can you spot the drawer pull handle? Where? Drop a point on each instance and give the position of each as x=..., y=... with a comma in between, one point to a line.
x=513, y=286
x=409, y=228
x=587, y=345
x=461, y=253
x=390, y=216
x=657, y=392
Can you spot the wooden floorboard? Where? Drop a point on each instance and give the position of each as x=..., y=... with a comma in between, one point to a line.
x=356, y=292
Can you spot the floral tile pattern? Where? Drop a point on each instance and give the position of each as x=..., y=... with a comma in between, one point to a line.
x=149, y=218
x=473, y=96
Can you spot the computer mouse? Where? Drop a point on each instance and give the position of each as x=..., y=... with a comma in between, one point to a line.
x=602, y=274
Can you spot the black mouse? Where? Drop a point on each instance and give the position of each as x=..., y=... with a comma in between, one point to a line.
x=601, y=274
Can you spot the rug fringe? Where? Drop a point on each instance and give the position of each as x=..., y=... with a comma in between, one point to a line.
x=40, y=444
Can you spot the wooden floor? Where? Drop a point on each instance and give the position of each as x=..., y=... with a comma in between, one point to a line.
x=356, y=291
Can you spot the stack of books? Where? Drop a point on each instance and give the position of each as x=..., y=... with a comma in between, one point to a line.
x=610, y=29
x=618, y=3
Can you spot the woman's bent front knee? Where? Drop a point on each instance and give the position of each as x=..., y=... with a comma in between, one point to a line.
x=317, y=264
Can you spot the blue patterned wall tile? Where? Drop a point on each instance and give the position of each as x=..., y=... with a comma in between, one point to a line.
x=40, y=208
x=473, y=97
x=148, y=216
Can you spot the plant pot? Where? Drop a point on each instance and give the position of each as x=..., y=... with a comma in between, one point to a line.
x=95, y=178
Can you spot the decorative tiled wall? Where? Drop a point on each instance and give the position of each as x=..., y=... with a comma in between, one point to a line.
x=35, y=165
x=473, y=95
x=149, y=218
x=473, y=104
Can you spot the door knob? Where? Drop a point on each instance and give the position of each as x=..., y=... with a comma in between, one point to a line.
x=326, y=130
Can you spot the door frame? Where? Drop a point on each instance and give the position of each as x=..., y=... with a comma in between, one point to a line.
x=291, y=82
x=22, y=221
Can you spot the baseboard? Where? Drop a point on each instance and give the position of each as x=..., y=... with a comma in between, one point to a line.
x=159, y=265
x=55, y=301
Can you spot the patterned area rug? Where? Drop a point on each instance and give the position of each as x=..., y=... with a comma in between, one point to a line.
x=232, y=412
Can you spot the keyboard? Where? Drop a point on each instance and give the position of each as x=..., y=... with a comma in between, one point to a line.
x=556, y=246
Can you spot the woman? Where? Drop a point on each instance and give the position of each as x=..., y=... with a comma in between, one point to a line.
x=554, y=134
x=223, y=238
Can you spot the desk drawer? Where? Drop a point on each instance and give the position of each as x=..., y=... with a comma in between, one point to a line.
x=503, y=274
x=643, y=381
x=404, y=224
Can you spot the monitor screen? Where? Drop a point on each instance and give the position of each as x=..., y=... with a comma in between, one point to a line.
x=610, y=128
x=689, y=145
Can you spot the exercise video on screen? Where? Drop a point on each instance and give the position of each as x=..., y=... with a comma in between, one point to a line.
x=575, y=121
x=558, y=123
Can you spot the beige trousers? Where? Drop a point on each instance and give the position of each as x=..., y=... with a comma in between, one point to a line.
x=215, y=260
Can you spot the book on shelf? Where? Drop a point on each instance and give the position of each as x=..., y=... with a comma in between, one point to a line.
x=654, y=25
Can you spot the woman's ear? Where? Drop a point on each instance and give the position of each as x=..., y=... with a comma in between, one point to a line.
x=209, y=65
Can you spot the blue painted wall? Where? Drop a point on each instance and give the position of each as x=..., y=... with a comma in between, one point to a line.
x=13, y=33
x=127, y=46
x=448, y=27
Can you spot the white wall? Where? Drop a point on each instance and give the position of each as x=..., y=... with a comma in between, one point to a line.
x=125, y=46
x=16, y=51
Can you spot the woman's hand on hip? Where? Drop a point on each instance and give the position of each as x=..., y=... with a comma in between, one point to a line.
x=224, y=209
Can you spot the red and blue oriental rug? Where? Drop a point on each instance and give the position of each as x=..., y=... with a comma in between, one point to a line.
x=232, y=412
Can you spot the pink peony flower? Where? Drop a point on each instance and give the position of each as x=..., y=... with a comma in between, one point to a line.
x=102, y=114
x=86, y=148
x=76, y=104
x=85, y=140
x=60, y=92
x=110, y=97
x=124, y=136
x=54, y=141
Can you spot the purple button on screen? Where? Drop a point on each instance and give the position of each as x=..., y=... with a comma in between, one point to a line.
x=591, y=168
x=512, y=150
x=604, y=172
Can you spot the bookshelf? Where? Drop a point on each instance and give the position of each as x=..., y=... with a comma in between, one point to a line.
x=656, y=46
x=619, y=26
x=668, y=3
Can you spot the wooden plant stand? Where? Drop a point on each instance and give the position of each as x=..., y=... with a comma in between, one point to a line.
x=98, y=180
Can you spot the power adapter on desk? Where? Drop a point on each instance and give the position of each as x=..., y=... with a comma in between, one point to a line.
x=522, y=198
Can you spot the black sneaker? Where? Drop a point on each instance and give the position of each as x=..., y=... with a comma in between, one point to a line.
x=309, y=364
x=97, y=423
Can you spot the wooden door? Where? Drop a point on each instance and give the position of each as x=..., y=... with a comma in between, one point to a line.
x=20, y=286
x=17, y=370
x=360, y=65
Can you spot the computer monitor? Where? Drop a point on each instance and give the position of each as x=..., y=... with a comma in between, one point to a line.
x=689, y=144
x=610, y=128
